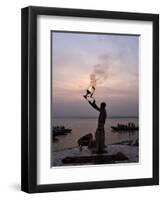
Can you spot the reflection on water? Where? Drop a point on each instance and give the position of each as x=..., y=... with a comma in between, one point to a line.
x=82, y=126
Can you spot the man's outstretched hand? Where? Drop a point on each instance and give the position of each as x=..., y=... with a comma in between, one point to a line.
x=92, y=103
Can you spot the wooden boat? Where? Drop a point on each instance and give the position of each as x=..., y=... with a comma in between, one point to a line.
x=60, y=130
x=55, y=139
x=97, y=159
x=122, y=127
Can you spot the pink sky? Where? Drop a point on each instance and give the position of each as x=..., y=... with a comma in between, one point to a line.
x=75, y=56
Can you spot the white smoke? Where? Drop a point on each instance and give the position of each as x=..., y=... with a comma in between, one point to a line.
x=101, y=70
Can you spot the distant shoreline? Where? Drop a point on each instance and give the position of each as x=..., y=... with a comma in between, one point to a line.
x=111, y=117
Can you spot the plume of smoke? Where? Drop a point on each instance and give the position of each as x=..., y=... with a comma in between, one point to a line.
x=100, y=70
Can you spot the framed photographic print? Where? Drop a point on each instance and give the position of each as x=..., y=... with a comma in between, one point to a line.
x=90, y=99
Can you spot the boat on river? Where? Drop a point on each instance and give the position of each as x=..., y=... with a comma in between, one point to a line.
x=124, y=127
x=60, y=130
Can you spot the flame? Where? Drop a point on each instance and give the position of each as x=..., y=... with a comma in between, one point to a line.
x=89, y=88
x=92, y=84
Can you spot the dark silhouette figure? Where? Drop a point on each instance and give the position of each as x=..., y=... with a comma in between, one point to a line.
x=100, y=132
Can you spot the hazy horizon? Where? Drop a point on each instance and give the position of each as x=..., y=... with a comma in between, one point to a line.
x=108, y=117
x=76, y=55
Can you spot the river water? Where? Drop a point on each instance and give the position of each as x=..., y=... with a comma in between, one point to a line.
x=83, y=126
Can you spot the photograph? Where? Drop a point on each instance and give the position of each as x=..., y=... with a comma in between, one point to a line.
x=94, y=98
x=89, y=99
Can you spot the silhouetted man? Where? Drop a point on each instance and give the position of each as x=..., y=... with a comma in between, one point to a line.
x=100, y=132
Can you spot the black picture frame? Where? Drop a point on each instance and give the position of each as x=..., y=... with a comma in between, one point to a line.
x=29, y=99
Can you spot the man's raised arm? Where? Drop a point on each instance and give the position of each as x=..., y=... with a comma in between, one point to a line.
x=94, y=105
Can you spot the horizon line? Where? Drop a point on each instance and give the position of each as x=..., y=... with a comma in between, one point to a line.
x=95, y=117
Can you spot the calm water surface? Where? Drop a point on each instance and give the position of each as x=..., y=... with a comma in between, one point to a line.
x=82, y=126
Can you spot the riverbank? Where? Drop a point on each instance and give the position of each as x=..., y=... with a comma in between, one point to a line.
x=130, y=151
